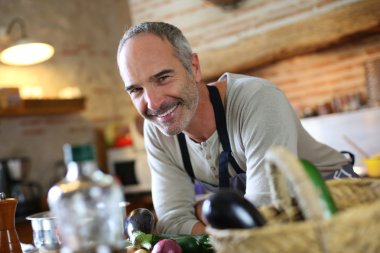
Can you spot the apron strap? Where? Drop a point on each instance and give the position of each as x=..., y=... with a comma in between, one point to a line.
x=221, y=127
x=185, y=156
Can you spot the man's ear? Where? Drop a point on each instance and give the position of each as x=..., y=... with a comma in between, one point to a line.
x=196, y=67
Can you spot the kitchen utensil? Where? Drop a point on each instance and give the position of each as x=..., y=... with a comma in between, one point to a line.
x=9, y=241
x=45, y=232
x=355, y=146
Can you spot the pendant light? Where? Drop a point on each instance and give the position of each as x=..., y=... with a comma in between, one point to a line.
x=23, y=51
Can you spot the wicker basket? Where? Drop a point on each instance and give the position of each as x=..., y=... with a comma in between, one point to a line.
x=354, y=229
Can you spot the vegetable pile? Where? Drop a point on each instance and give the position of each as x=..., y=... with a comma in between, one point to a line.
x=139, y=227
x=228, y=209
x=171, y=243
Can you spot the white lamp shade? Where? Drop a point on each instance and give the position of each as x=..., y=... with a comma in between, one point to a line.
x=25, y=52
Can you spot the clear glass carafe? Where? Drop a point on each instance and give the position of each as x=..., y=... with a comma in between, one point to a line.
x=86, y=204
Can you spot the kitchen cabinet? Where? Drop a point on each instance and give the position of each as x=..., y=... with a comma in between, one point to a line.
x=32, y=107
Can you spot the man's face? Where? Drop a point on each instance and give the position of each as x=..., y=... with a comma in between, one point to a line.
x=161, y=89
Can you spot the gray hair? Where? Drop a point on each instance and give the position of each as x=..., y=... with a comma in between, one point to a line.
x=163, y=30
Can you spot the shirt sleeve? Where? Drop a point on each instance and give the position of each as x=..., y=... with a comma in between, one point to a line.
x=265, y=119
x=172, y=189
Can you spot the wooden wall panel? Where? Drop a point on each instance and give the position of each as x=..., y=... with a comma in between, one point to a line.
x=314, y=50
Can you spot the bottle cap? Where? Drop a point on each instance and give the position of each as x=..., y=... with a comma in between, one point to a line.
x=78, y=153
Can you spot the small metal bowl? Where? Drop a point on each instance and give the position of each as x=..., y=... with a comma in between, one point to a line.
x=45, y=233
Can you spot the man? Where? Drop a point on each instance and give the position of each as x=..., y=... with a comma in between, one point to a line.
x=163, y=78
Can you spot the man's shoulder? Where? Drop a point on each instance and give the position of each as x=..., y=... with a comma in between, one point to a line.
x=247, y=86
x=241, y=80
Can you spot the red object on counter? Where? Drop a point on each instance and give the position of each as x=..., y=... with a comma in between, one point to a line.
x=123, y=141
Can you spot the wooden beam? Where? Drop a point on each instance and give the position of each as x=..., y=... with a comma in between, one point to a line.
x=308, y=35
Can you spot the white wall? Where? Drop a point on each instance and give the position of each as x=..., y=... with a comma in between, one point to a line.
x=361, y=127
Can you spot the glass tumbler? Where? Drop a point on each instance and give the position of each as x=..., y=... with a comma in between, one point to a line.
x=45, y=232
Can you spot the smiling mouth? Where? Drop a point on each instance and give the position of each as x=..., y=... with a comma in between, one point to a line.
x=163, y=115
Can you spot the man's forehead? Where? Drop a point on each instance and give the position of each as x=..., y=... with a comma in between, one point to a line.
x=145, y=47
x=147, y=39
x=144, y=56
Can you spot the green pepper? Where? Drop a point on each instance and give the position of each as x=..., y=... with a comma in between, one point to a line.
x=325, y=197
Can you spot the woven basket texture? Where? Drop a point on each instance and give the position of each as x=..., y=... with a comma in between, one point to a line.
x=354, y=229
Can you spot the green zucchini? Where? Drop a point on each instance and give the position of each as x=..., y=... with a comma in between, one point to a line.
x=325, y=197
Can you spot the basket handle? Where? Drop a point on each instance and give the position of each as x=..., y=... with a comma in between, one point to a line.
x=287, y=177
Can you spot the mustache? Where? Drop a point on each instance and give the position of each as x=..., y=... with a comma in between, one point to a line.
x=163, y=108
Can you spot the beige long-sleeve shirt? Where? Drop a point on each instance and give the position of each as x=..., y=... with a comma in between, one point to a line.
x=258, y=117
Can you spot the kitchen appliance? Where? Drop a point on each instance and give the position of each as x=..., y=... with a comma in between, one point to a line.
x=131, y=168
x=4, y=179
x=121, y=163
x=13, y=172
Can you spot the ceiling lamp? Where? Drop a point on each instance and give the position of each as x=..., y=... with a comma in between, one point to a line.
x=23, y=51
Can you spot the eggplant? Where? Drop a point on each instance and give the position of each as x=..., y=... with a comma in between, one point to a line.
x=228, y=209
x=140, y=219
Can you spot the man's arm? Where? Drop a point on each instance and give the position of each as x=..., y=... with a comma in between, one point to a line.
x=172, y=190
x=199, y=228
x=267, y=120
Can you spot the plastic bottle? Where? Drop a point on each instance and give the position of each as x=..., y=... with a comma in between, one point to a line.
x=86, y=204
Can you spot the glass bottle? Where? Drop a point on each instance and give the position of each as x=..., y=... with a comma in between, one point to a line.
x=86, y=204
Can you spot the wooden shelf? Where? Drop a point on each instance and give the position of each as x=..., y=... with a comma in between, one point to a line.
x=31, y=107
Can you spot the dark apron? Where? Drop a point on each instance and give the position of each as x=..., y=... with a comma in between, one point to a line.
x=237, y=182
x=347, y=171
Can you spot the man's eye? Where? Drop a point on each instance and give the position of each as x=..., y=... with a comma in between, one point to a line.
x=134, y=90
x=163, y=78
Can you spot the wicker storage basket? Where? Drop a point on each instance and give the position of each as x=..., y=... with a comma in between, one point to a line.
x=354, y=229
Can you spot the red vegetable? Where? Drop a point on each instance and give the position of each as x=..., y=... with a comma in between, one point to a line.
x=167, y=246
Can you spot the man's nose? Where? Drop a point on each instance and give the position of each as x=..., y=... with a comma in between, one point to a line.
x=153, y=98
